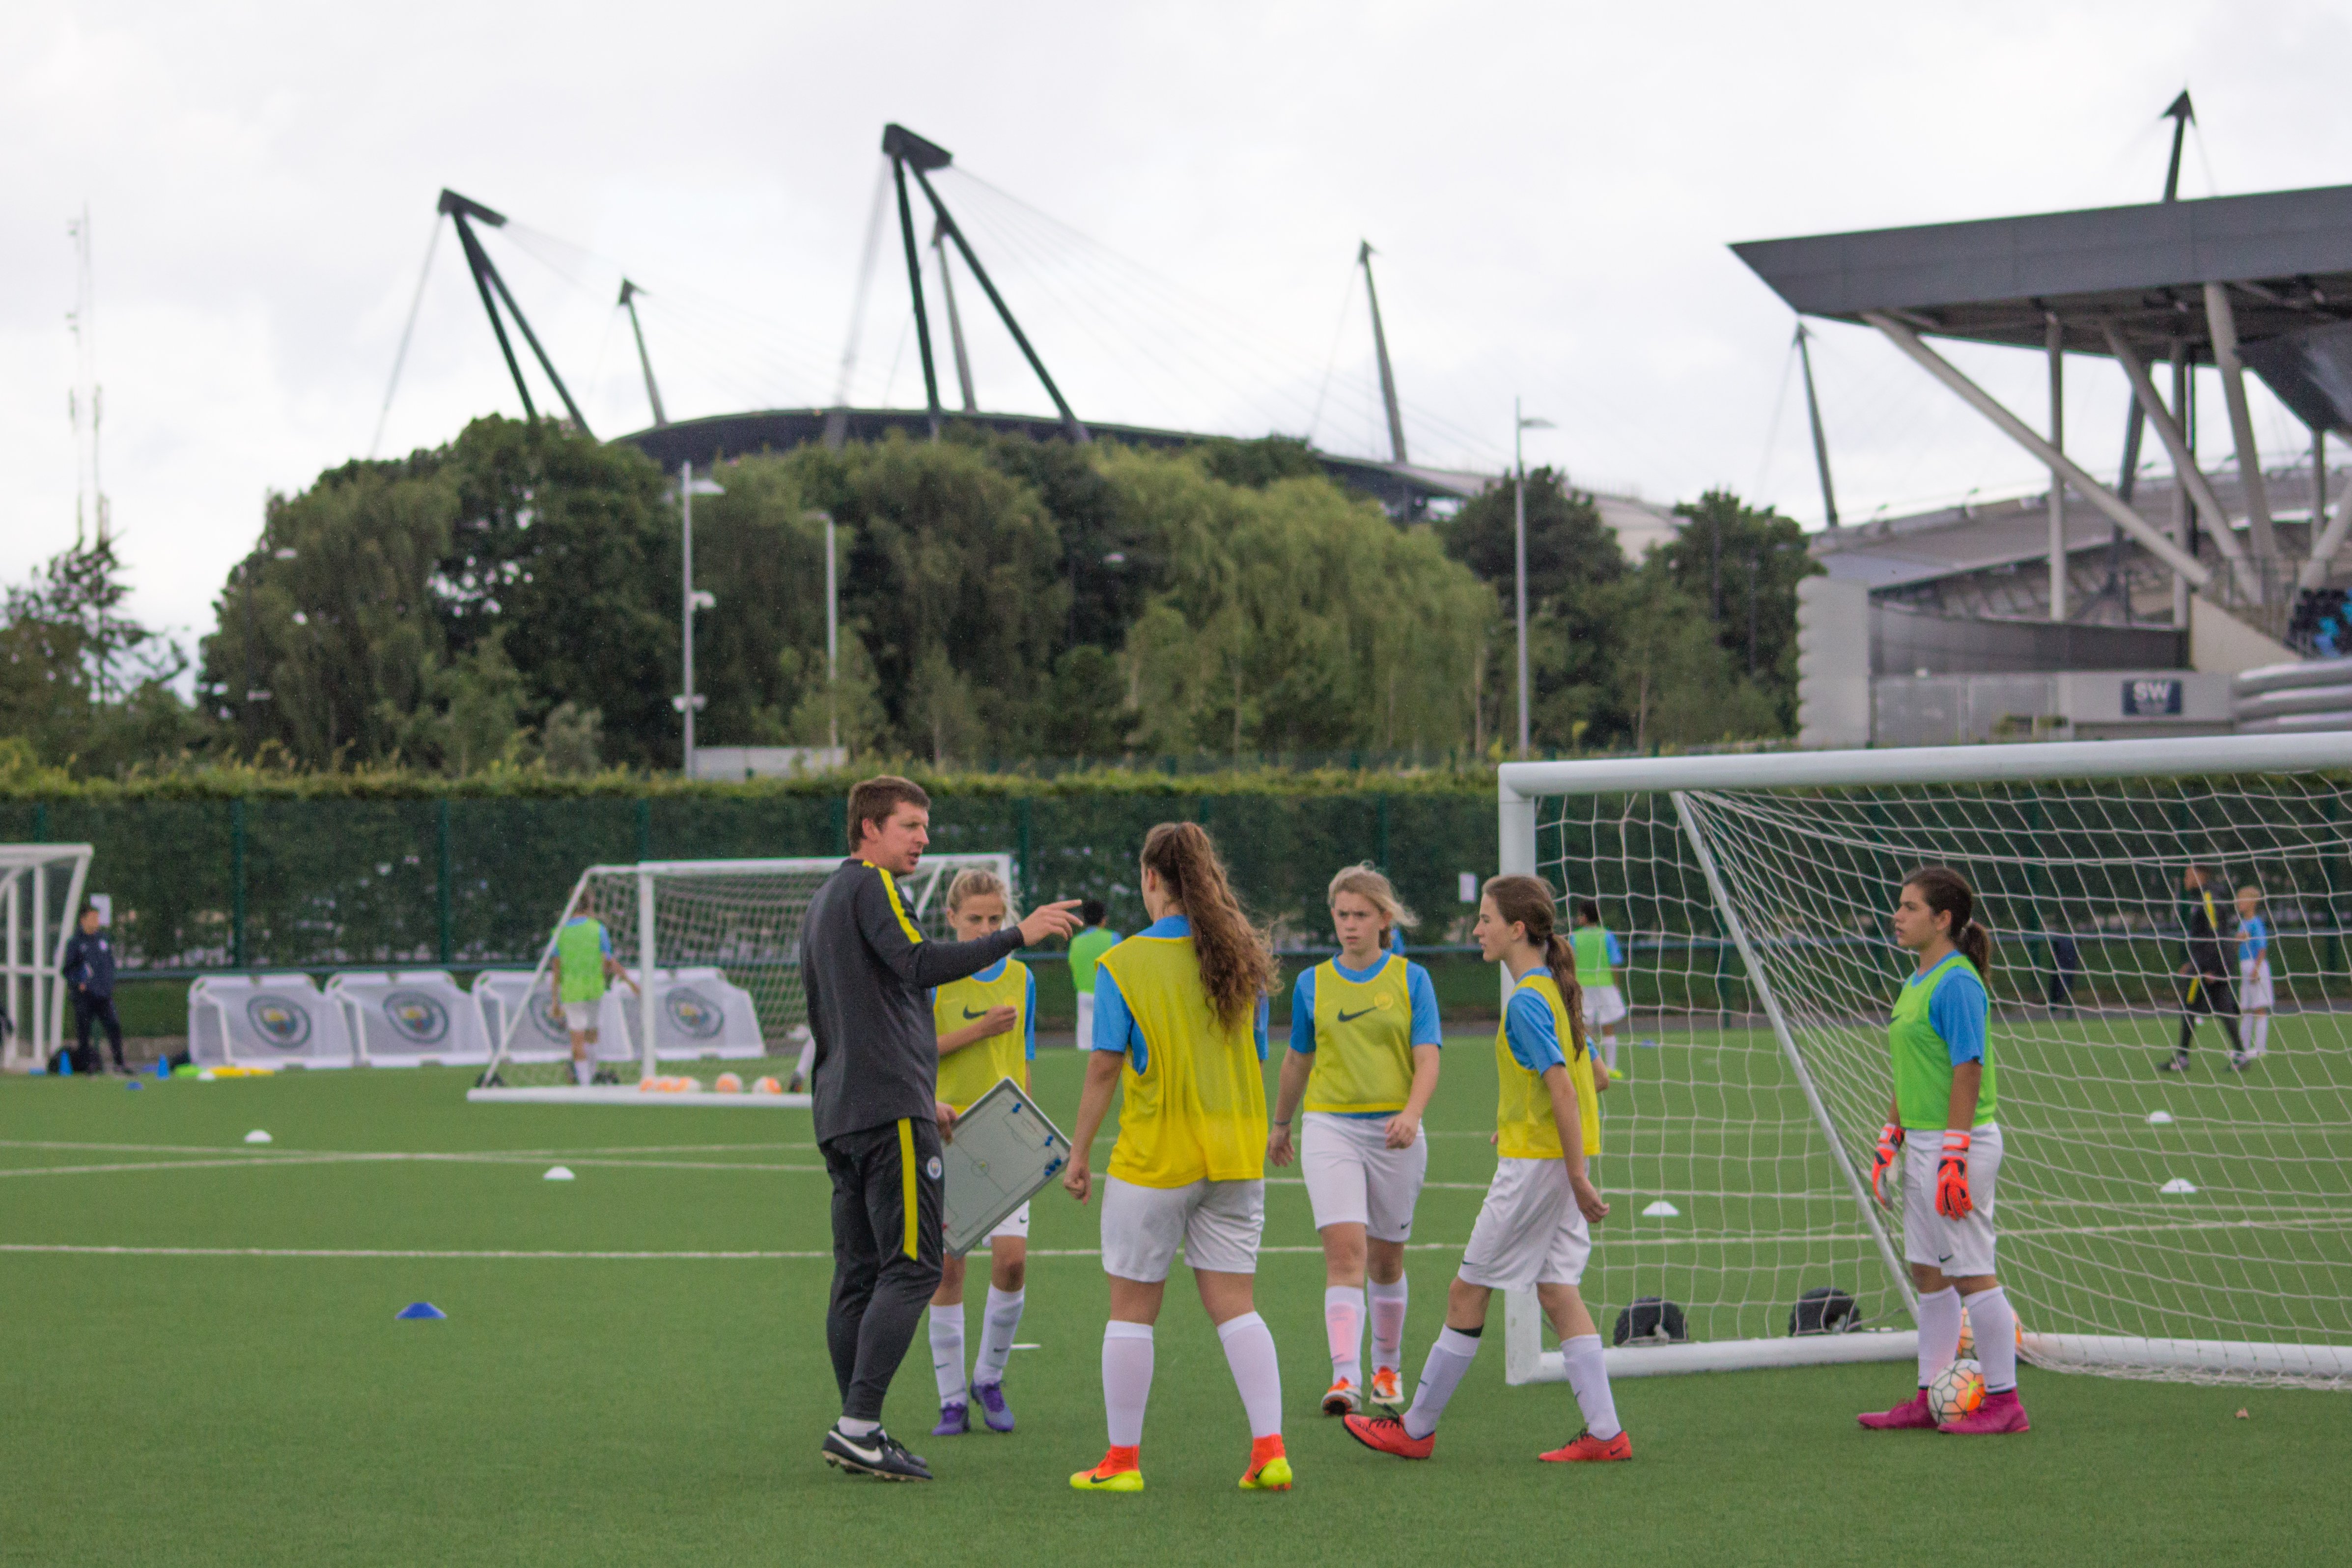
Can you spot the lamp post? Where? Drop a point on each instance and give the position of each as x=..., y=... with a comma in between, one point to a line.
x=688, y=487
x=831, y=635
x=1520, y=423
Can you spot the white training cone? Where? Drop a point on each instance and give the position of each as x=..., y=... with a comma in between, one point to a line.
x=558, y=1173
x=2178, y=1184
x=1661, y=1210
x=2159, y=1119
x=257, y=1136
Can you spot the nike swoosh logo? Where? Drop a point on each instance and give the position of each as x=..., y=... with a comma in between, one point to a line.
x=871, y=1455
x=1351, y=1017
x=970, y=1014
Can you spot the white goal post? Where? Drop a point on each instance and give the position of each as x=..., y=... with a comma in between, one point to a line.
x=712, y=952
x=2190, y=1225
x=42, y=885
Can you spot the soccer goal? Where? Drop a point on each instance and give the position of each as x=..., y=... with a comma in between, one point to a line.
x=2188, y=1225
x=713, y=947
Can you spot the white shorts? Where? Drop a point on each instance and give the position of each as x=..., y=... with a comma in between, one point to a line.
x=1529, y=1230
x=1217, y=1222
x=1353, y=1177
x=1960, y=1247
x=580, y=1017
x=2254, y=989
x=1603, y=1004
x=1086, y=1038
x=1015, y=1225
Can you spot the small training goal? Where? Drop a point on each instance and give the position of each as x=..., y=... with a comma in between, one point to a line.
x=2192, y=1226
x=713, y=996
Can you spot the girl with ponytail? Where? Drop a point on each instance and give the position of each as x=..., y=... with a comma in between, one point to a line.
x=1942, y=1051
x=1179, y=1024
x=1532, y=1231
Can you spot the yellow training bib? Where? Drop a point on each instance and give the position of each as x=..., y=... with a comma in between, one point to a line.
x=1524, y=1127
x=1198, y=1109
x=1363, y=1040
x=967, y=1074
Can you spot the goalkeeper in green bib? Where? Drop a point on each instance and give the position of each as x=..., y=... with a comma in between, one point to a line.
x=1942, y=1126
x=585, y=968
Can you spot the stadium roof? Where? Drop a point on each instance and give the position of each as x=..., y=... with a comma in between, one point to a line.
x=2287, y=255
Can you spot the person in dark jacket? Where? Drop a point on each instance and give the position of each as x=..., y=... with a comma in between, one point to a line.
x=867, y=970
x=88, y=971
x=2207, y=984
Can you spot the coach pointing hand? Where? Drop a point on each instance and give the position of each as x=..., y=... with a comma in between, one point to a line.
x=866, y=968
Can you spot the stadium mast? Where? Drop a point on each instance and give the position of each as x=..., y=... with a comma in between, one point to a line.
x=1380, y=350
x=462, y=211
x=86, y=400
x=908, y=154
x=1814, y=413
x=629, y=292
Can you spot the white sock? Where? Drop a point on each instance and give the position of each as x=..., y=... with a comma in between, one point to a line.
x=852, y=1428
x=1996, y=1324
x=2261, y=1035
x=997, y=1326
x=583, y=1071
x=947, y=1352
x=1343, y=1323
x=1249, y=1350
x=807, y=1063
x=1609, y=1048
x=1587, y=1375
x=1939, y=1333
x=1388, y=1323
x=1441, y=1375
x=1127, y=1380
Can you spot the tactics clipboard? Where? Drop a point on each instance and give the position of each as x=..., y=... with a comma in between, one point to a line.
x=1003, y=1150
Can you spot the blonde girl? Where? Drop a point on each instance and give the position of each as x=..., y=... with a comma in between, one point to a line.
x=1364, y=1042
x=987, y=1025
x=1179, y=1027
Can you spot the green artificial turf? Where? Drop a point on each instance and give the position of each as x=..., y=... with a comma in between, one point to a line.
x=254, y=1410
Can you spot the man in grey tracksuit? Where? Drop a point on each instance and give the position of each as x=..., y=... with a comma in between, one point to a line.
x=867, y=970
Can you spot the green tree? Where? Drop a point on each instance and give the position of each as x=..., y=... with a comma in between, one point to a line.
x=1673, y=682
x=81, y=682
x=1741, y=566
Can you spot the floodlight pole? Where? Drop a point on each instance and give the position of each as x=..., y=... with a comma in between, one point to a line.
x=832, y=639
x=688, y=487
x=1519, y=558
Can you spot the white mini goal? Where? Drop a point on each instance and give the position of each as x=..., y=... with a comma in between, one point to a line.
x=41, y=886
x=2190, y=1225
x=705, y=942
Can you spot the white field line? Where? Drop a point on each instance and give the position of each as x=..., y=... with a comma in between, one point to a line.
x=381, y=1157
x=525, y=1153
x=498, y=1255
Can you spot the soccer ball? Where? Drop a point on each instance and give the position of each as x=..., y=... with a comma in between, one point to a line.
x=729, y=1084
x=1958, y=1389
x=767, y=1086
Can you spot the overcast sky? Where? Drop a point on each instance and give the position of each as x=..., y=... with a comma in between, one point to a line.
x=1171, y=197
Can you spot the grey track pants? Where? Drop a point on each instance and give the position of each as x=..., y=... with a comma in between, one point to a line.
x=886, y=1254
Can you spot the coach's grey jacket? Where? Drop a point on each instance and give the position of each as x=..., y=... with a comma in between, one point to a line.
x=866, y=969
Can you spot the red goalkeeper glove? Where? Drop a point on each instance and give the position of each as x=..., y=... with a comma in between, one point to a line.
x=1890, y=1139
x=1952, y=1200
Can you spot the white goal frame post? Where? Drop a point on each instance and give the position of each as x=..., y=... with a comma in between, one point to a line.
x=926, y=891
x=36, y=929
x=1522, y=785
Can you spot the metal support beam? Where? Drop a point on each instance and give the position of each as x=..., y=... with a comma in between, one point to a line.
x=2224, y=321
x=2184, y=509
x=955, y=321
x=915, y=287
x=2055, y=343
x=2170, y=431
x=1821, y=437
x=479, y=266
x=462, y=211
x=1380, y=350
x=629, y=292
x=2325, y=542
x=2009, y=424
x=1078, y=431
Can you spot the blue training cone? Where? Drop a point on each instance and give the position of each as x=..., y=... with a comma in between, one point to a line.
x=423, y=1310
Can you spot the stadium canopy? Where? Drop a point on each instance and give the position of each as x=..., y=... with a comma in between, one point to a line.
x=2261, y=282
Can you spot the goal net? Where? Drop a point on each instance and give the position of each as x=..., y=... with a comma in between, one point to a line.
x=2194, y=1225
x=712, y=953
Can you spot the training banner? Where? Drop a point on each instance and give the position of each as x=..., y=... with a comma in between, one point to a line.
x=541, y=1035
x=269, y=1020
x=401, y=1020
x=701, y=1013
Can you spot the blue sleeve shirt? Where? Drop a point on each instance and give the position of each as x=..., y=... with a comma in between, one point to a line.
x=1420, y=992
x=1616, y=954
x=2253, y=938
x=1957, y=1013
x=1116, y=1028
x=1527, y=1027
